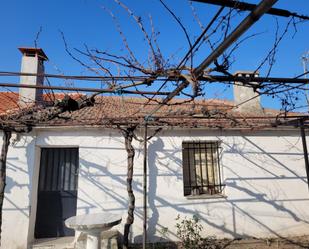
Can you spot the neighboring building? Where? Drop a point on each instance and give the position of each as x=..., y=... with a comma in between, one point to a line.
x=238, y=171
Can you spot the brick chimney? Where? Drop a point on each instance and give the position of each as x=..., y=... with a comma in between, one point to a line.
x=243, y=93
x=32, y=62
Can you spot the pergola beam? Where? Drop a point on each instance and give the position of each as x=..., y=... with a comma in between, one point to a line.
x=252, y=18
x=212, y=78
x=223, y=78
x=118, y=90
x=249, y=7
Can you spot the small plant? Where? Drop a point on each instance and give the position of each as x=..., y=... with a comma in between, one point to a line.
x=189, y=232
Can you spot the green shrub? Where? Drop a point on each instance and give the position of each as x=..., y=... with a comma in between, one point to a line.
x=189, y=232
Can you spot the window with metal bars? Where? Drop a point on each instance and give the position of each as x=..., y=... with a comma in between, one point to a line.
x=201, y=168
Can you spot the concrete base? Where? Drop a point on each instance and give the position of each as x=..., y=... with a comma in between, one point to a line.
x=93, y=240
x=109, y=240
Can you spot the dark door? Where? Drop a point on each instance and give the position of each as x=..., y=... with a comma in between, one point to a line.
x=57, y=192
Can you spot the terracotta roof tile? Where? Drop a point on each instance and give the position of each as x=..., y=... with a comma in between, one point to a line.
x=212, y=113
x=108, y=110
x=9, y=100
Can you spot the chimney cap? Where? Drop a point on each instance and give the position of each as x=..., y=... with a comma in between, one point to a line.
x=37, y=51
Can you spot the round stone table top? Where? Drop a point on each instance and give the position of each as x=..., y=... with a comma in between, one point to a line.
x=86, y=222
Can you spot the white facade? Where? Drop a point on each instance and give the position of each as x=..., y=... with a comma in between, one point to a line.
x=264, y=172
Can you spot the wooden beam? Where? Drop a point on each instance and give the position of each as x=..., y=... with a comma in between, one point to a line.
x=243, y=6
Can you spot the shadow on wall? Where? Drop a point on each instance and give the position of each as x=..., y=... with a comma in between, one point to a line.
x=17, y=197
x=15, y=169
x=160, y=157
x=154, y=147
x=271, y=198
x=155, y=158
x=122, y=200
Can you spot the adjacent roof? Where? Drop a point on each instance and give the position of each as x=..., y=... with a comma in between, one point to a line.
x=9, y=100
x=111, y=110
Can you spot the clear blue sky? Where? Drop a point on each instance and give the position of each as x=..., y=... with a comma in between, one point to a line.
x=85, y=22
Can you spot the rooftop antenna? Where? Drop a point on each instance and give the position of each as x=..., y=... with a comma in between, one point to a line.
x=305, y=60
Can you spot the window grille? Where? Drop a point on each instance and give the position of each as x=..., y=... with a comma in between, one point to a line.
x=201, y=168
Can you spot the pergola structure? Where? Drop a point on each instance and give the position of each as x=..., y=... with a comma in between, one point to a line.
x=24, y=120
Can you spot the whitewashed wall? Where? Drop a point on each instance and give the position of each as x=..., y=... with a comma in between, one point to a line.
x=16, y=206
x=264, y=172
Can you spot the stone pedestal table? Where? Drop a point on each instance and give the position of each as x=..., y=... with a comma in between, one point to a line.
x=93, y=225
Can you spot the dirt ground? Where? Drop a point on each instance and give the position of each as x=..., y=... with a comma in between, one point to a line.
x=270, y=243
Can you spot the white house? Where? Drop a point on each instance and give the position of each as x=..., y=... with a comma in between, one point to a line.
x=241, y=176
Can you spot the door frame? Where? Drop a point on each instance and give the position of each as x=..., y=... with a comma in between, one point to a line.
x=34, y=186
